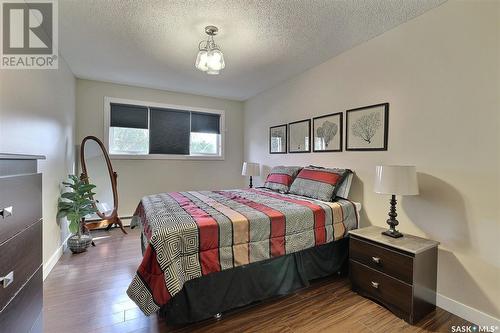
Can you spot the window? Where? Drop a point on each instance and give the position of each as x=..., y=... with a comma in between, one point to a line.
x=123, y=140
x=149, y=130
x=128, y=133
x=204, y=143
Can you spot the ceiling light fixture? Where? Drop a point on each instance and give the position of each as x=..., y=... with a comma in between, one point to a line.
x=210, y=58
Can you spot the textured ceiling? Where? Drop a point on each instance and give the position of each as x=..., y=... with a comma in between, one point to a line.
x=153, y=43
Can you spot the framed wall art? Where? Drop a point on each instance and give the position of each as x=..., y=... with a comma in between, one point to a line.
x=299, y=136
x=367, y=128
x=278, y=139
x=328, y=132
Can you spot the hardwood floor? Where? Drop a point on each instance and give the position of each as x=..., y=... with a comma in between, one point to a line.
x=86, y=293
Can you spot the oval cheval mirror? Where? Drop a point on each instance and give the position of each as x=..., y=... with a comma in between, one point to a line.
x=97, y=170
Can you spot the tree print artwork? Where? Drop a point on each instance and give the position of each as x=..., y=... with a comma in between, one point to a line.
x=366, y=126
x=327, y=132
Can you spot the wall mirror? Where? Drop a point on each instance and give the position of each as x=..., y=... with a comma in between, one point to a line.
x=97, y=170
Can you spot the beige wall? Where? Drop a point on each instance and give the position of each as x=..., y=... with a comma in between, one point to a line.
x=137, y=178
x=37, y=116
x=440, y=74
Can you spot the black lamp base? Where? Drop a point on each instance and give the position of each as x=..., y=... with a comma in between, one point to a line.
x=392, y=233
x=392, y=222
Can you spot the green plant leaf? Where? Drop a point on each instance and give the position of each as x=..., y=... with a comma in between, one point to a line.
x=64, y=205
x=87, y=187
x=73, y=227
x=70, y=196
x=73, y=216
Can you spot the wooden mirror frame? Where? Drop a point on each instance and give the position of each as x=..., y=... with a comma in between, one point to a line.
x=112, y=219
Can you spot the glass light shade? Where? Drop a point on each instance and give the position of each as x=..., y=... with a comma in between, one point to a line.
x=201, y=60
x=212, y=72
x=215, y=60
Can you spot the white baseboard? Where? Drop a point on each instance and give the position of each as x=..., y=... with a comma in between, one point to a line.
x=49, y=265
x=466, y=312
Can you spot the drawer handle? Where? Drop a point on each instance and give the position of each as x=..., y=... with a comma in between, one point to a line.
x=6, y=212
x=375, y=285
x=376, y=260
x=7, y=279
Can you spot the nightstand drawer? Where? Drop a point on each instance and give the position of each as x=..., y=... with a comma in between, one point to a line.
x=395, y=264
x=391, y=292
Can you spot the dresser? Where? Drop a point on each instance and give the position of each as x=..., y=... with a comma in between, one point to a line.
x=20, y=244
x=399, y=273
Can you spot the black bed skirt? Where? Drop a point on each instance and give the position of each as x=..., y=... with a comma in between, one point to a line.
x=204, y=297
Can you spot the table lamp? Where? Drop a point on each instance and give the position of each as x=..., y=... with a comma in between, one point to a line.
x=250, y=169
x=395, y=180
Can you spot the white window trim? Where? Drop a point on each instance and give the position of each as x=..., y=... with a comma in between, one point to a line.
x=107, y=121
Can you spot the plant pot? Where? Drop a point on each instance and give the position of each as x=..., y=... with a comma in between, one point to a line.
x=79, y=244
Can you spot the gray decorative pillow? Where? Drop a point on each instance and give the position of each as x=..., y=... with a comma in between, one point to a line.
x=318, y=183
x=281, y=177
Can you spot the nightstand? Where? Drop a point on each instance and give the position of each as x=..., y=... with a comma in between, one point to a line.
x=399, y=273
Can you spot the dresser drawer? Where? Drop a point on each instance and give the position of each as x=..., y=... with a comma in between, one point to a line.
x=23, y=311
x=391, y=292
x=395, y=264
x=24, y=195
x=21, y=255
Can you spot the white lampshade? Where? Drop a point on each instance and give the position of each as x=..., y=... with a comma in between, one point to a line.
x=396, y=179
x=250, y=169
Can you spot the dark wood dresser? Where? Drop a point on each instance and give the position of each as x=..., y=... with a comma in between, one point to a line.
x=20, y=244
x=399, y=273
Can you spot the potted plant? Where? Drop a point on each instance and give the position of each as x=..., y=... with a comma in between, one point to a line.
x=75, y=205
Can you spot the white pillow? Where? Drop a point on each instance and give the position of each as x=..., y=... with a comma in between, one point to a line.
x=345, y=187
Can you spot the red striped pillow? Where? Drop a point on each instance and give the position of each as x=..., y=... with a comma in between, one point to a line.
x=323, y=176
x=278, y=178
x=318, y=183
x=281, y=177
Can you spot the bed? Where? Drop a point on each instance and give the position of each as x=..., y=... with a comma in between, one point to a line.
x=205, y=252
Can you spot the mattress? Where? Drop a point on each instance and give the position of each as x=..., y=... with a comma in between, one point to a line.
x=197, y=233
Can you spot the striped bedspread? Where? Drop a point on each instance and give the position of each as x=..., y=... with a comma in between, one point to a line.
x=192, y=234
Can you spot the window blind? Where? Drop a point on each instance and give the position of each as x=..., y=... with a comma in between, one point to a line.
x=169, y=131
x=130, y=116
x=205, y=123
